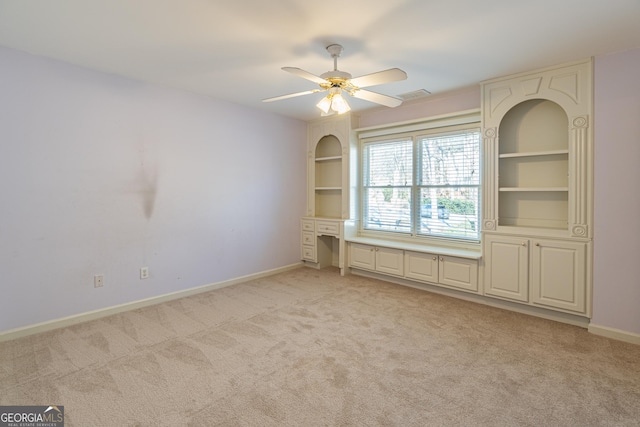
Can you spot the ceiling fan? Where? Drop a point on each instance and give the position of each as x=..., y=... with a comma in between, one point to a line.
x=337, y=81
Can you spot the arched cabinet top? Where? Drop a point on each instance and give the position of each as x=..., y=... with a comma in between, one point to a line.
x=338, y=127
x=328, y=146
x=568, y=85
x=534, y=125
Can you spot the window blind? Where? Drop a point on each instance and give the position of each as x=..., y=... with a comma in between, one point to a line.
x=423, y=183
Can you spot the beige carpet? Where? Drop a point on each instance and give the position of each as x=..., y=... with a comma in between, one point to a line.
x=311, y=348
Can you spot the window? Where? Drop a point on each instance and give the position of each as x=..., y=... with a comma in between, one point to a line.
x=423, y=184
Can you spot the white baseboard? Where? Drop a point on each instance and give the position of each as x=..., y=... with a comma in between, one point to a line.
x=96, y=314
x=567, y=318
x=615, y=334
x=556, y=316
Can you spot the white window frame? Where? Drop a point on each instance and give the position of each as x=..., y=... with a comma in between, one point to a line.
x=466, y=120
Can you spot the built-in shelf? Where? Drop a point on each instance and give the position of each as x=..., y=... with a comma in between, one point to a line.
x=538, y=189
x=534, y=153
x=326, y=159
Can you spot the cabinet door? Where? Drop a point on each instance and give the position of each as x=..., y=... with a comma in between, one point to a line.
x=421, y=266
x=459, y=273
x=506, y=267
x=362, y=256
x=390, y=261
x=558, y=276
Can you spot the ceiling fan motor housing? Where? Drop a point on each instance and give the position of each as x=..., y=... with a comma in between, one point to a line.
x=336, y=77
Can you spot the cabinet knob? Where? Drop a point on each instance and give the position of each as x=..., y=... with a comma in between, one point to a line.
x=524, y=243
x=434, y=258
x=441, y=259
x=537, y=244
x=377, y=249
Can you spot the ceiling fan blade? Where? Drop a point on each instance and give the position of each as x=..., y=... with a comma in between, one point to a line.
x=378, y=98
x=292, y=95
x=304, y=74
x=373, y=79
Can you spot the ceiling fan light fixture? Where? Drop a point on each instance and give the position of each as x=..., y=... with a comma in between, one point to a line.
x=339, y=104
x=333, y=103
x=324, y=104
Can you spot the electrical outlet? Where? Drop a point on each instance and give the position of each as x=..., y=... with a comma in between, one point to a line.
x=98, y=281
x=144, y=272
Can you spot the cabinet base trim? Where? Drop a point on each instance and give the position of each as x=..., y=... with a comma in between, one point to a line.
x=570, y=319
x=615, y=334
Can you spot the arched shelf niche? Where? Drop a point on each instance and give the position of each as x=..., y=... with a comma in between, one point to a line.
x=534, y=125
x=328, y=177
x=533, y=165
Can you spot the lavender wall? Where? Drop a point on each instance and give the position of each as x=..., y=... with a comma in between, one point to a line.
x=451, y=102
x=103, y=175
x=616, y=289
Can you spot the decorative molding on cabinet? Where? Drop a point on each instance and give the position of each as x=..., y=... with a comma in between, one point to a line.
x=531, y=86
x=490, y=151
x=538, y=187
x=566, y=84
x=489, y=224
x=580, y=180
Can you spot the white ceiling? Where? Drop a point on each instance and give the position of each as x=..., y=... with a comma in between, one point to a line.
x=233, y=49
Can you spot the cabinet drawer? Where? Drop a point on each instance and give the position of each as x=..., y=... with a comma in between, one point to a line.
x=309, y=253
x=328, y=228
x=308, y=225
x=308, y=238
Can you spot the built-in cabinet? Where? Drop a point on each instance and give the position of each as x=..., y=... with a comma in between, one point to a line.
x=550, y=273
x=537, y=189
x=537, y=205
x=376, y=258
x=321, y=242
x=441, y=270
x=331, y=151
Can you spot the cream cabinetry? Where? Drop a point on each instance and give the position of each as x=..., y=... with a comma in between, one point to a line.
x=309, y=240
x=458, y=273
x=322, y=241
x=542, y=272
x=448, y=271
x=538, y=186
x=421, y=266
x=558, y=274
x=506, y=267
x=374, y=258
x=538, y=152
x=331, y=151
